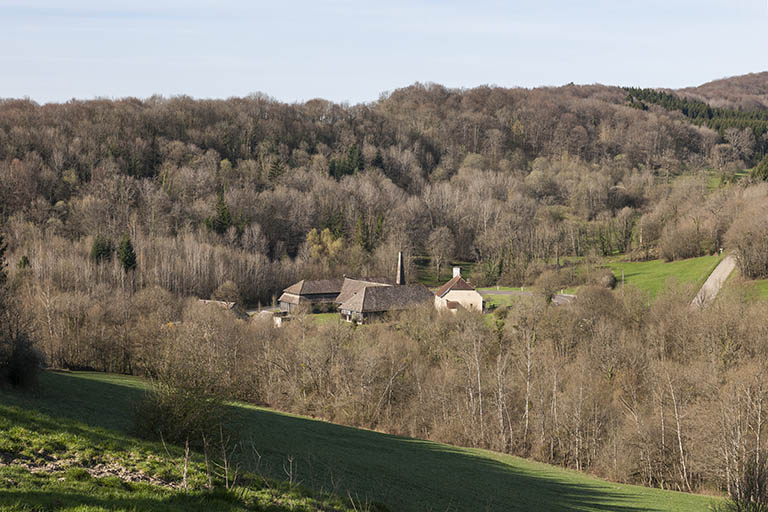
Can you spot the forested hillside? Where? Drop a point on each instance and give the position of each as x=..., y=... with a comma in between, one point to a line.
x=117, y=212
x=232, y=188
x=746, y=92
x=745, y=132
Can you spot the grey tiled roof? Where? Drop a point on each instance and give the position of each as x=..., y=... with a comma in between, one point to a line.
x=457, y=283
x=316, y=287
x=352, y=286
x=376, y=299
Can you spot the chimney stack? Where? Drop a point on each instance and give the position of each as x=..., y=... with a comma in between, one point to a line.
x=400, y=269
x=456, y=271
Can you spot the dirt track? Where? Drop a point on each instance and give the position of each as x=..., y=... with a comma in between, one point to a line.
x=714, y=282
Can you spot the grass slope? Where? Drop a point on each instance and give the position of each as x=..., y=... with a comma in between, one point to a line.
x=406, y=474
x=653, y=276
x=759, y=286
x=49, y=461
x=754, y=288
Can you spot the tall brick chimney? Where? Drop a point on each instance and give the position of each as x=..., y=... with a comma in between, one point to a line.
x=400, y=269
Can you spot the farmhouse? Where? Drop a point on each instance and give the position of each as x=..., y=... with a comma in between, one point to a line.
x=373, y=301
x=351, y=286
x=458, y=293
x=313, y=294
x=361, y=299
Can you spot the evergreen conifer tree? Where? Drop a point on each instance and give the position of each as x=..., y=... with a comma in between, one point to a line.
x=333, y=169
x=760, y=171
x=126, y=254
x=275, y=170
x=378, y=160
x=355, y=160
x=222, y=221
x=101, y=249
x=361, y=235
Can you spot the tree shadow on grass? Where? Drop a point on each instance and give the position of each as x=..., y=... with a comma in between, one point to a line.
x=406, y=474
x=85, y=397
x=46, y=500
x=409, y=474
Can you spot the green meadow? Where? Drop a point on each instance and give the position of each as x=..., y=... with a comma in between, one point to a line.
x=655, y=275
x=68, y=447
x=88, y=417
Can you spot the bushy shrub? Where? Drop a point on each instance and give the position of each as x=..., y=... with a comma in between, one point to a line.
x=760, y=171
x=191, y=375
x=550, y=282
x=750, y=492
x=752, y=256
x=176, y=415
x=602, y=277
x=20, y=361
x=749, y=236
x=227, y=291
x=684, y=241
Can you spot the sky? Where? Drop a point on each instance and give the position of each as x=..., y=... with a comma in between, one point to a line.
x=355, y=50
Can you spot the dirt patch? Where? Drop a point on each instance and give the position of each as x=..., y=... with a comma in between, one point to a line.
x=100, y=470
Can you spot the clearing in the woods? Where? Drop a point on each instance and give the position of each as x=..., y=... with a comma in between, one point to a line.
x=655, y=275
x=403, y=473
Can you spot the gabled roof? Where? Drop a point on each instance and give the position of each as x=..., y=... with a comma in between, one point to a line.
x=231, y=306
x=377, y=299
x=457, y=283
x=563, y=299
x=220, y=303
x=352, y=286
x=289, y=298
x=316, y=287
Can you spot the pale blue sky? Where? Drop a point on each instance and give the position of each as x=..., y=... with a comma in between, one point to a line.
x=294, y=50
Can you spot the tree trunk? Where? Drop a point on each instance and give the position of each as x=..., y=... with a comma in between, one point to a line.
x=678, y=423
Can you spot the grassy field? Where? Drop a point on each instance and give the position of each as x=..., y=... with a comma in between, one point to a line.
x=499, y=289
x=406, y=474
x=760, y=287
x=326, y=318
x=653, y=276
x=756, y=288
x=497, y=301
x=65, y=459
x=716, y=179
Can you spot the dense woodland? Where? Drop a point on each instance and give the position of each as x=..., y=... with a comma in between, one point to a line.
x=116, y=213
x=746, y=92
x=729, y=123
x=232, y=188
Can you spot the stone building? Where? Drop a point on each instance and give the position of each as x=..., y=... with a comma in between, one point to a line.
x=374, y=301
x=314, y=295
x=458, y=293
